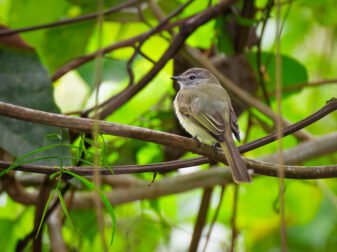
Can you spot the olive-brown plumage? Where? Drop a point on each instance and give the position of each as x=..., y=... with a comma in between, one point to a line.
x=204, y=109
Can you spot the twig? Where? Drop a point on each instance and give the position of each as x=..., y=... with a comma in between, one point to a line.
x=281, y=171
x=149, y=34
x=268, y=8
x=303, y=85
x=233, y=220
x=214, y=217
x=71, y=20
x=201, y=219
x=249, y=126
x=96, y=129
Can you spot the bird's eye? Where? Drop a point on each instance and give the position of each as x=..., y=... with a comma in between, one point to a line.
x=192, y=77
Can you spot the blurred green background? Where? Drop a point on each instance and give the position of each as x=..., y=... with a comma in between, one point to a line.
x=309, y=53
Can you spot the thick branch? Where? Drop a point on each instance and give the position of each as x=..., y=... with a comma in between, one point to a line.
x=116, y=129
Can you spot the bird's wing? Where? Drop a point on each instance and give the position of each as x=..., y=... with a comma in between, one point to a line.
x=234, y=124
x=212, y=122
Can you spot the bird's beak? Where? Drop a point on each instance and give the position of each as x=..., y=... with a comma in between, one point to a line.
x=176, y=77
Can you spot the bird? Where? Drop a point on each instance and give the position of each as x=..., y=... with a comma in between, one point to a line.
x=204, y=110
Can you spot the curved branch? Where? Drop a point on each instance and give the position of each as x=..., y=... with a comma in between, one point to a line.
x=71, y=20
x=76, y=62
x=149, y=34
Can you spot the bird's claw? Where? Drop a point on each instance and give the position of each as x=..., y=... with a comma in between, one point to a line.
x=215, y=147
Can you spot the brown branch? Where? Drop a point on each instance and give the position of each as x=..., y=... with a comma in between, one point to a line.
x=214, y=218
x=149, y=34
x=71, y=20
x=281, y=171
x=201, y=219
x=162, y=187
x=85, y=125
x=186, y=29
x=261, y=72
x=16, y=191
x=40, y=206
x=76, y=62
x=303, y=85
x=54, y=223
x=305, y=151
x=233, y=220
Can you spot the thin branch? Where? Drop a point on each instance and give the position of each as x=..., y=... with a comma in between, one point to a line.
x=304, y=85
x=201, y=219
x=72, y=20
x=281, y=171
x=233, y=220
x=149, y=34
x=95, y=131
x=214, y=217
x=76, y=62
x=268, y=8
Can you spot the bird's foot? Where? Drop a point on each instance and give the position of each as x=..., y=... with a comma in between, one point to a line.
x=215, y=147
x=197, y=141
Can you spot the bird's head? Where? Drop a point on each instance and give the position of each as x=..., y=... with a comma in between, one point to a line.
x=195, y=77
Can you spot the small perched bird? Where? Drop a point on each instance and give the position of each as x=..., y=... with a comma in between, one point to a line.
x=204, y=109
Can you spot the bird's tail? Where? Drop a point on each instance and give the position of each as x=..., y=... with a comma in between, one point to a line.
x=235, y=161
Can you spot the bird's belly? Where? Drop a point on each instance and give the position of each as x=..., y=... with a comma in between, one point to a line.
x=193, y=129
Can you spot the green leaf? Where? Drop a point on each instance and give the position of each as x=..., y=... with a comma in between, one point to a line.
x=25, y=82
x=89, y=141
x=86, y=222
x=66, y=42
x=293, y=72
x=7, y=229
x=53, y=136
x=64, y=207
x=44, y=212
x=24, y=14
x=113, y=70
